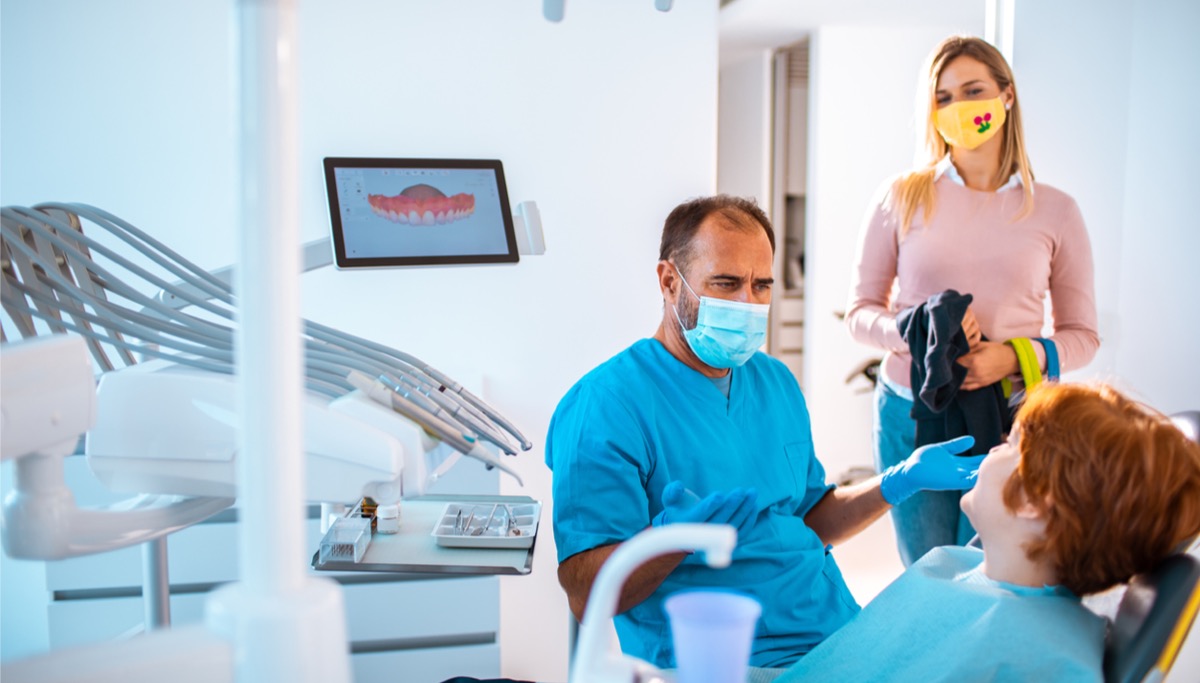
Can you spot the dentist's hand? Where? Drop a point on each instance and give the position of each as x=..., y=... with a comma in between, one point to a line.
x=932, y=468
x=738, y=507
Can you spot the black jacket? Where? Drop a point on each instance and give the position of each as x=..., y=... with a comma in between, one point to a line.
x=933, y=331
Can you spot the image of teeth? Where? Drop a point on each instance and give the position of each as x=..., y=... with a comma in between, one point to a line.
x=422, y=205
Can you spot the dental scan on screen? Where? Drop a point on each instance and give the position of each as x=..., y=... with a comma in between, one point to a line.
x=410, y=212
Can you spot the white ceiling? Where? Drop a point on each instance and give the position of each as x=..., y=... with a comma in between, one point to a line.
x=749, y=26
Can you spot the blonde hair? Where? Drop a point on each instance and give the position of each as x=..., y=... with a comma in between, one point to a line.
x=915, y=189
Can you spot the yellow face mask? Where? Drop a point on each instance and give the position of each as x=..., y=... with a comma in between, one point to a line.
x=969, y=123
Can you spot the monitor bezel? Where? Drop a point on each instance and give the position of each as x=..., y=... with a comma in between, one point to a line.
x=339, y=242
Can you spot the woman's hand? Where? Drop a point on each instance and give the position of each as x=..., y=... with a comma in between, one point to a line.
x=987, y=363
x=970, y=327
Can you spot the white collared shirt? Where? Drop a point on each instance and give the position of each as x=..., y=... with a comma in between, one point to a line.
x=947, y=167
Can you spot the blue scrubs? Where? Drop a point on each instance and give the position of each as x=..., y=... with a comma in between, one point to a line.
x=644, y=419
x=945, y=620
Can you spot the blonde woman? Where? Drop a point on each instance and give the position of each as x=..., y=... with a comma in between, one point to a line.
x=971, y=219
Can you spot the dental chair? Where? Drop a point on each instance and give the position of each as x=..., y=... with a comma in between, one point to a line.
x=1152, y=622
x=1157, y=609
x=1188, y=422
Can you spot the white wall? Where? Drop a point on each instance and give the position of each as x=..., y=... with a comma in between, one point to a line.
x=1078, y=144
x=861, y=97
x=1160, y=275
x=1101, y=103
x=607, y=120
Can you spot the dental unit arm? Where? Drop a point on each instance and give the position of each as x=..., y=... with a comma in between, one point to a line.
x=597, y=658
x=47, y=400
x=378, y=422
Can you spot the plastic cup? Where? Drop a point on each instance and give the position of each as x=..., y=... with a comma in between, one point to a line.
x=712, y=632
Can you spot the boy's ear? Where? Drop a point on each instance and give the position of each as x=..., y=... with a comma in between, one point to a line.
x=1027, y=510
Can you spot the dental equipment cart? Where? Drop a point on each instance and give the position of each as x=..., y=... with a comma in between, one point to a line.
x=441, y=534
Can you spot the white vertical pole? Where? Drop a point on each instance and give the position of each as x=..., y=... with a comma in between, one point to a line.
x=283, y=625
x=156, y=585
x=271, y=455
x=998, y=21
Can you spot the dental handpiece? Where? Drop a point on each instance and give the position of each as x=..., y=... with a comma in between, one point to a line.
x=453, y=410
x=466, y=444
x=436, y=427
x=452, y=386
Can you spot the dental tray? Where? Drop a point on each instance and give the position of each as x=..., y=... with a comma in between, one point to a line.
x=488, y=525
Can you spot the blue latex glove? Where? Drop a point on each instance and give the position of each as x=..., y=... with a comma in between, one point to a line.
x=932, y=468
x=737, y=508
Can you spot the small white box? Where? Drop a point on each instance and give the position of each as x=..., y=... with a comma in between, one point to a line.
x=346, y=540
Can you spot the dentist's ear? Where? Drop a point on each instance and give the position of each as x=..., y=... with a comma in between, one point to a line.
x=667, y=279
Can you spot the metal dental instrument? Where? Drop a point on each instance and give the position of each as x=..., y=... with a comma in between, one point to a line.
x=488, y=523
x=512, y=522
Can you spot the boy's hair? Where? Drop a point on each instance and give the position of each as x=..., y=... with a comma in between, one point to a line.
x=1117, y=483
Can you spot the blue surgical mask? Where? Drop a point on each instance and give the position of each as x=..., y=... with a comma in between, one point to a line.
x=727, y=333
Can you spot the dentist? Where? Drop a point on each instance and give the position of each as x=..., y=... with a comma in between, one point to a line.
x=696, y=425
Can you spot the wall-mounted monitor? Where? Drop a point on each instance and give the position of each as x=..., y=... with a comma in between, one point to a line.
x=418, y=212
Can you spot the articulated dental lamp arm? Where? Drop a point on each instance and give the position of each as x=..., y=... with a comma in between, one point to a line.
x=48, y=400
x=600, y=661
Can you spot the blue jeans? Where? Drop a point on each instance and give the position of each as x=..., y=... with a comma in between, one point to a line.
x=930, y=518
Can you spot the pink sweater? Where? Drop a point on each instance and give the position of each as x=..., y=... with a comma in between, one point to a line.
x=973, y=246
